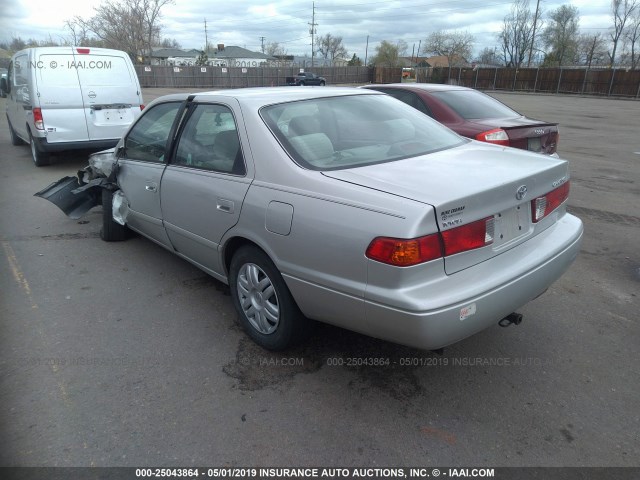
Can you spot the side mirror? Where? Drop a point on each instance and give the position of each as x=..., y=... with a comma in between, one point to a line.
x=4, y=86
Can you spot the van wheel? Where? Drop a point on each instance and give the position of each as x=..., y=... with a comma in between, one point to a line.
x=111, y=230
x=15, y=139
x=264, y=304
x=40, y=159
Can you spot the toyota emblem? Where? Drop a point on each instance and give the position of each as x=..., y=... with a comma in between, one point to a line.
x=521, y=192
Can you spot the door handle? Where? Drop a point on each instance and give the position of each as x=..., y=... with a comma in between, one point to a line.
x=151, y=187
x=225, y=206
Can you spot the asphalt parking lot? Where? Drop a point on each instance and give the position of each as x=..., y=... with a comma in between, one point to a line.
x=122, y=354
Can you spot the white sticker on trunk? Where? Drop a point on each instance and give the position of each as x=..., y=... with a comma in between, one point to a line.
x=467, y=311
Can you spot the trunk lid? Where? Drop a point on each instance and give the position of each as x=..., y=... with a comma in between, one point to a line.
x=527, y=133
x=469, y=183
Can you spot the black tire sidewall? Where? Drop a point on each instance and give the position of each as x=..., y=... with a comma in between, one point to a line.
x=40, y=159
x=292, y=323
x=111, y=231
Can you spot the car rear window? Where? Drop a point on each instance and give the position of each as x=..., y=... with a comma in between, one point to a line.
x=470, y=104
x=351, y=131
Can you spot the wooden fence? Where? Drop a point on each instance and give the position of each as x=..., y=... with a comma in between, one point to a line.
x=239, y=77
x=608, y=82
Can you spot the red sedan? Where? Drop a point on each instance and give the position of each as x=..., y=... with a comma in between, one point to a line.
x=475, y=115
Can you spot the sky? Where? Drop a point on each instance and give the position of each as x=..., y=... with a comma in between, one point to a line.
x=244, y=22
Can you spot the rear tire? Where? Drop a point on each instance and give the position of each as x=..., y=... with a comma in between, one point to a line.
x=40, y=159
x=322, y=84
x=15, y=139
x=266, y=309
x=111, y=230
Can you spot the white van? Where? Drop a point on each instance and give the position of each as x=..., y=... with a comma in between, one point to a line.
x=70, y=98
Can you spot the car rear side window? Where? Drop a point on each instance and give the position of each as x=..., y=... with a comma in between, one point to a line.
x=210, y=141
x=409, y=98
x=470, y=104
x=148, y=138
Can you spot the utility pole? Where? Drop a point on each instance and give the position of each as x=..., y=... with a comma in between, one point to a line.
x=366, y=52
x=312, y=31
x=262, y=42
x=206, y=38
x=533, y=37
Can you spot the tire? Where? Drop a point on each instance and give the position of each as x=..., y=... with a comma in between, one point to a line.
x=111, y=231
x=40, y=159
x=322, y=84
x=301, y=84
x=15, y=139
x=265, y=307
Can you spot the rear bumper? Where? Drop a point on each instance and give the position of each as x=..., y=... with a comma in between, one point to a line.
x=44, y=146
x=469, y=301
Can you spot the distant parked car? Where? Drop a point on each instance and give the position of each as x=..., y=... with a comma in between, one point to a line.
x=372, y=216
x=476, y=115
x=306, y=78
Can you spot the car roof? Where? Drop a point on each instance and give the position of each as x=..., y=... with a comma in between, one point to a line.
x=430, y=87
x=261, y=96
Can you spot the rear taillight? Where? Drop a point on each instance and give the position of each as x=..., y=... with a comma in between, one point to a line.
x=83, y=51
x=497, y=136
x=468, y=237
x=141, y=107
x=543, y=206
x=37, y=118
x=407, y=252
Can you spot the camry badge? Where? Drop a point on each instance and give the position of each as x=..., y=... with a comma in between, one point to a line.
x=521, y=192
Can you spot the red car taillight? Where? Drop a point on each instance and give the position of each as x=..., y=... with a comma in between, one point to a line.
x=468, y=237
x=37, y=118
x=407, y=252
x=83, y=51
x=497, y=136
x=543, y=206
x=141, y=107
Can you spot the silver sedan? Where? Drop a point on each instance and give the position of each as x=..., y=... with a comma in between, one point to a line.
x=338, y=205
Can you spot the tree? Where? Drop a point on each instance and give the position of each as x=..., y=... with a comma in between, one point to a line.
x=592, y=49
x=355, y=61
x=330, y=47
x=274, y=49
x=622, y=10
x=403, y=48
x=129, y=25
x=169, y=43
x=561, y=35
x=632, y=35
x=387, y=55
x=516, y=38
x=488, y=56
x=202, y=59
x=456, y=46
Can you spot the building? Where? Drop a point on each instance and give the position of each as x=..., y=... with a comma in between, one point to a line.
x=222, y=56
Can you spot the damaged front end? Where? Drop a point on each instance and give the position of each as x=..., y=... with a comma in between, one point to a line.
x=75, y=196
